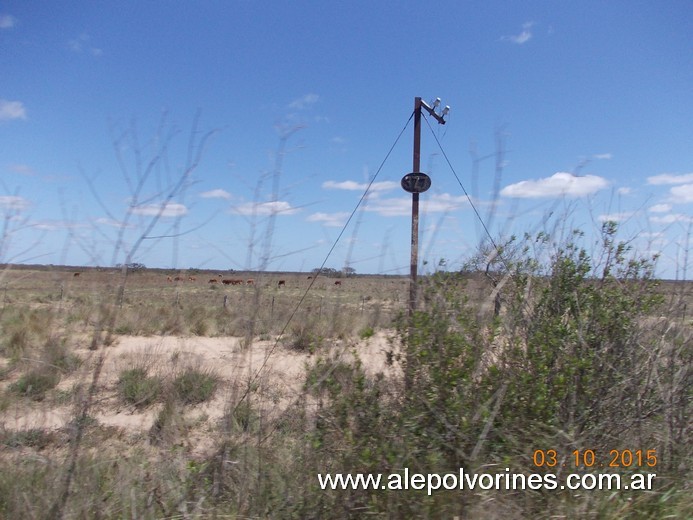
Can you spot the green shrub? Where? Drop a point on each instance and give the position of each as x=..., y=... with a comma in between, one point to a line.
x=23, y=328
x=303, y=337
x=366, y=332
x=137, y=388
x=34, y=438
x=35, y=383
x=241, y=417
x=195, y=386
x=56, y=354
x=568, y=362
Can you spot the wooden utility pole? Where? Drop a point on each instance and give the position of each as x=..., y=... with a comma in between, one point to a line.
x=416, y=169
x=415, y=183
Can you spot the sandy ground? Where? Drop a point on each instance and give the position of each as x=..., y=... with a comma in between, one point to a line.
x=277, y=374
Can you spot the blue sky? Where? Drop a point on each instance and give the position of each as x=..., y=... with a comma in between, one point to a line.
x=590, y=103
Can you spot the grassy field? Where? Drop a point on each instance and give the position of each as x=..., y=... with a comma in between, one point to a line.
x=146, y=397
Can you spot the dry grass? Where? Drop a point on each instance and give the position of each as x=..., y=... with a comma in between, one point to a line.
x=200, y=408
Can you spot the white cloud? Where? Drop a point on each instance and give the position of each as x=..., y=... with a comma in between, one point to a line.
x=671, y=218
x=391, y=207
x=171, y=209
x=330, y=219
x=22, y=169
x=55, y=225
x=657, y=238
x=660, y=208
x=401, y=206
x=14, y=202
x=7, y=21
x=682, y=194
x=112, y=223
x=523, y=37
x=49, y=226
x=444, y=202
x=81, y=44
x=557, y=185
x=11, y=110
x=265, y=208
x=652, y=235
x=216, y=194
x=615, y=217
x=304, y=101
x=360, y=186
x=603, y=156
x=624, y=191
x=670, y=178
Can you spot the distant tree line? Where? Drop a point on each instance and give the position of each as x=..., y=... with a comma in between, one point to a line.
x=330, y=272
x=133, y=266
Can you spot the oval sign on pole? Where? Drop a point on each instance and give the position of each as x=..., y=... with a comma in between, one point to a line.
x=416, y=182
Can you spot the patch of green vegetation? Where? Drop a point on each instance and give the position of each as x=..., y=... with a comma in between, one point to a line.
x=56, y=354
x=38, y=438
x=124, y=329
x=137, y=388
x=23, y=328
x=366, y=332
x=242, y=417
x=195, y=386
x=303, y=337
x=37, y=382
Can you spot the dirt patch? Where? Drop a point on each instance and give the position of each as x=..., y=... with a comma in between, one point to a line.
x=275, y=374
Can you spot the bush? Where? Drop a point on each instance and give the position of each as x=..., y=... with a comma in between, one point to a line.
x=195, y=386
x=568, y=362
x=34, y=438
x=303, y=337
x=35, y=383
x=366, y=333
x=137, y=388
x=23, y=328
x=56, y=354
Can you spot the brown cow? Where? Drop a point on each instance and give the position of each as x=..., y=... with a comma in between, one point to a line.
x=169, y=279
x=179, y=279
x=250, y=282
x=338, y=283
x=282, y=283
x=75, y=275
x=213, y=280
x=226, y=281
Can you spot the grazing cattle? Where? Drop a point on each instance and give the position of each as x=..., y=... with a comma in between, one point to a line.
x=310, y=277
x=75, y=275
x=192, y=278
x=281, y=283
x=213, y=280
x=232, y=281
x=250, y=282
x=338, y=283
x=179, y=279
x=169, y=279
x=226, y=281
